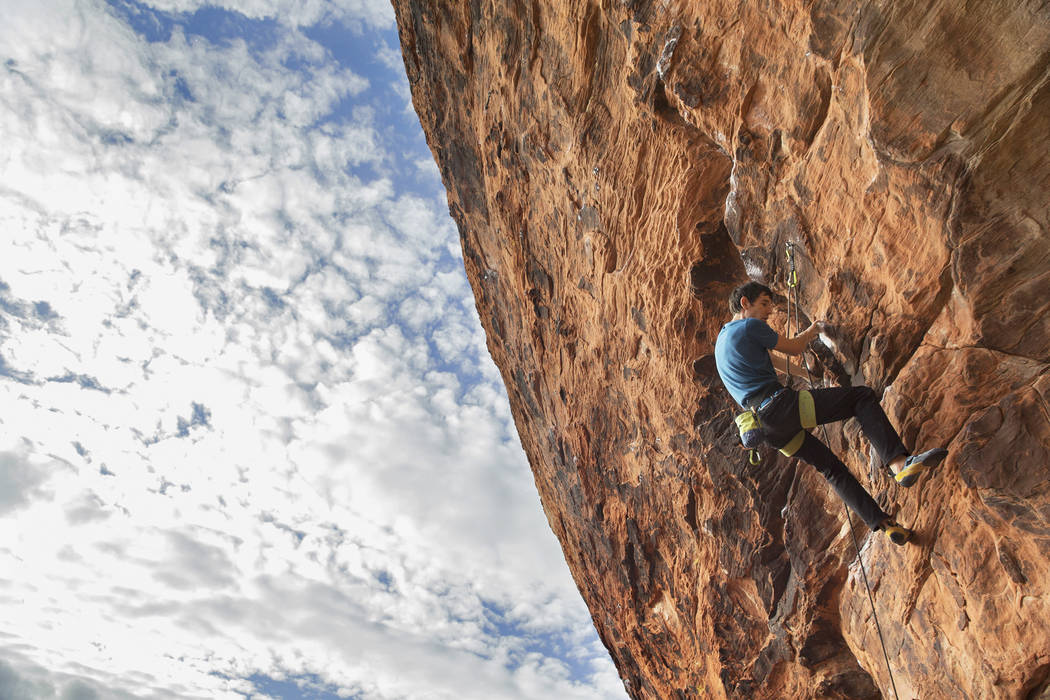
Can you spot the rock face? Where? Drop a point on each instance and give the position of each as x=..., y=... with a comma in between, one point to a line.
x=616, y=167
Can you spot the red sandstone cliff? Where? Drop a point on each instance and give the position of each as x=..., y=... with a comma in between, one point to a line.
x=616, y=167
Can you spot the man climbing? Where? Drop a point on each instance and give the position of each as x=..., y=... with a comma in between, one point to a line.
x=748, y=370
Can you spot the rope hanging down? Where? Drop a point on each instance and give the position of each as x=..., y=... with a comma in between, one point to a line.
x=793, y=284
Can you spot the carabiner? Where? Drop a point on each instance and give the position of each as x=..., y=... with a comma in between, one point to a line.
x=793, y=274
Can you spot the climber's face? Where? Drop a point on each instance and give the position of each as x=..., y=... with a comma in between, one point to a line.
x=761, y=308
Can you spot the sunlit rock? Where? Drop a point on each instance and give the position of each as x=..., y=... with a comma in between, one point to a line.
x=615, y=168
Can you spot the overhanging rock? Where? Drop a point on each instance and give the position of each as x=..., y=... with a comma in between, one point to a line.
x=615, y=168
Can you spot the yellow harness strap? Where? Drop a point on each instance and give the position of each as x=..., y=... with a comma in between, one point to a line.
x=796, y=442
x=807, y=416
x=807, y=413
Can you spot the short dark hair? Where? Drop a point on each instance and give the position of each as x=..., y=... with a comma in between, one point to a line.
x=751, y=290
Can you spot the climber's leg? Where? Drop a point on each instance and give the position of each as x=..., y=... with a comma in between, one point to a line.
x=840, y=403
x=816, y=453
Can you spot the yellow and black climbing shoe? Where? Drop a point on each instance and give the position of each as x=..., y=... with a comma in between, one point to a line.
x=915, y=465
x=896, y=533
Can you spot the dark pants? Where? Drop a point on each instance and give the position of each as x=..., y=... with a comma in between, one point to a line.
x=780, y=420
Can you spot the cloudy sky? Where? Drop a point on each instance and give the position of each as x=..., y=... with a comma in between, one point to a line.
x=251, y=441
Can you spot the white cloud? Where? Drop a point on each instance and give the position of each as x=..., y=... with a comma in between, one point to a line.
x=20, y=482
x=251, y=423
x=428, y=166
x=358, y=15
x=390, y=57
x=20, y=680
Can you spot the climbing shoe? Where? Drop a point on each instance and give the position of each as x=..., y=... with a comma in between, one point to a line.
x=896, y=533
x=915, y=465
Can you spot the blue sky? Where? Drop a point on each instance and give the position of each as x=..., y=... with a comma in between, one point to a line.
x=252, y=443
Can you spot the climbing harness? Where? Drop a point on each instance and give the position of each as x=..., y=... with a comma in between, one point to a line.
x=793, y=284
x=749, y=424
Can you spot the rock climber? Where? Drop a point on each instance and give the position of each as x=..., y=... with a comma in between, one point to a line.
x=748, y=369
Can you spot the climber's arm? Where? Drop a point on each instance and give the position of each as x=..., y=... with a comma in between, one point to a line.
x=797, y=345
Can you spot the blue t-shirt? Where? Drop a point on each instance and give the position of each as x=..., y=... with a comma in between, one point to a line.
x=742, y=357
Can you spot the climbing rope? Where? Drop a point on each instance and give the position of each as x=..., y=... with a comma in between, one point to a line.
x=793, y=284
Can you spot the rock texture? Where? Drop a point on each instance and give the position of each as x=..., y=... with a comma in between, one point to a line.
x=616, y=167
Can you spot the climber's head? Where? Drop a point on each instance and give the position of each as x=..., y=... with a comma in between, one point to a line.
x=752, y=300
